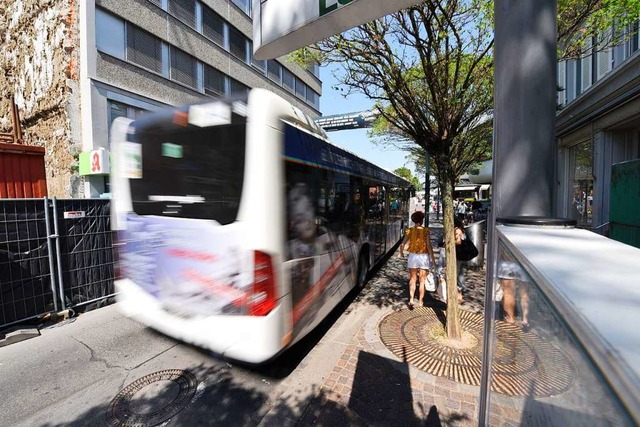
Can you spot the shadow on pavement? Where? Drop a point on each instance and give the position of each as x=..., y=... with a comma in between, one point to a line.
x=380, y=395
x=389, y=286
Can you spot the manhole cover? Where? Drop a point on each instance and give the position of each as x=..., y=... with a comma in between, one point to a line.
x=523, y=362
x=152, y=399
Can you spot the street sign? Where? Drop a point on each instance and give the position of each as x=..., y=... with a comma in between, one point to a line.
x=282, y=26
x=361, y=120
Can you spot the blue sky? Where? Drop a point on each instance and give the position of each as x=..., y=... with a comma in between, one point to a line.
x=356, y=140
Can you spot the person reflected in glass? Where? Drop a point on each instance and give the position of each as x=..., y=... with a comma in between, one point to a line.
x=420, y=259
x=512, y=278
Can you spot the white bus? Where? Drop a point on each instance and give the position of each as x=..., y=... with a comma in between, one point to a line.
x=240, y=226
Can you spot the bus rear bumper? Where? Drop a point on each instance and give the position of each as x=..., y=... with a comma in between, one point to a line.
x=251, y=339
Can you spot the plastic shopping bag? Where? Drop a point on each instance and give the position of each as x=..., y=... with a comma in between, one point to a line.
x=431, y=282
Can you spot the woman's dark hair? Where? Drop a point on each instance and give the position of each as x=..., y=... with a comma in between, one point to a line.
x=417, y=217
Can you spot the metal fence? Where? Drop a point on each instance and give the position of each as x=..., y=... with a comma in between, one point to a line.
x=54, y=254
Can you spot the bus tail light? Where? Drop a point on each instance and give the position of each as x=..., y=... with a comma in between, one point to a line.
x=263, y=296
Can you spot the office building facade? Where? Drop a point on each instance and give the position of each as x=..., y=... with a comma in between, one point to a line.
x=598, y=125
x=75, y=66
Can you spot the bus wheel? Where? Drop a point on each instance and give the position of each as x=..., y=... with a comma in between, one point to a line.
x=363, y=270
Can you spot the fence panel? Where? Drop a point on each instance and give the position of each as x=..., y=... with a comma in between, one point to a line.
x=85, y=250
x=26, y=273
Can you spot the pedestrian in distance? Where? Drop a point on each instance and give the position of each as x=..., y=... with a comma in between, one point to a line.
x=420, y=259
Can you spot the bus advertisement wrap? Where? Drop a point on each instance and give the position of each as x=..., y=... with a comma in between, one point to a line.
x=193, y=270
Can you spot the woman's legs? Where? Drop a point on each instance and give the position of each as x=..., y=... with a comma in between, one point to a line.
x=462, y=287
x=423, y=279
x=524, y=303
x=413, y=275
x=509, y=299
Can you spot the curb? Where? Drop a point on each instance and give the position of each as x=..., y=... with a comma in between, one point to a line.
x=19, y=334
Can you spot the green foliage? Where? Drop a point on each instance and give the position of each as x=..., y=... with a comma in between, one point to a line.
x=406, y=174
x=74, y=167
x=580, y=20
x=429, y=71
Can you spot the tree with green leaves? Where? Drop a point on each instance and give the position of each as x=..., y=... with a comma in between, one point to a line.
x=429, y=70
x=406, y=174
x=585, y=26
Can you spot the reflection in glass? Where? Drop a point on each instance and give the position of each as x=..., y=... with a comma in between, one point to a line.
x=581, y=183
x=541, y=375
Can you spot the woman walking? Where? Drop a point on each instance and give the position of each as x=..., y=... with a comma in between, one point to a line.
x=421, y=258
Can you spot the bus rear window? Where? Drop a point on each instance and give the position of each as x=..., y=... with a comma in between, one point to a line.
x=189, y=171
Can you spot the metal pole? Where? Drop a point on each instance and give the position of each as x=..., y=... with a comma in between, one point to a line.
x=59, y=259
x=50, y=249
x=427, y=189
x=523, y=134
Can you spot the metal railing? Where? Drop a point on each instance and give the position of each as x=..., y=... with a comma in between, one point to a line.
x=54, y=254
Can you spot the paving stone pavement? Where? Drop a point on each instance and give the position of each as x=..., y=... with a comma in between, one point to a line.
x=368, y=384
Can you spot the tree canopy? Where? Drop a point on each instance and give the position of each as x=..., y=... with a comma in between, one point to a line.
x=406, y=174
x=580, y=20
x=429, y=70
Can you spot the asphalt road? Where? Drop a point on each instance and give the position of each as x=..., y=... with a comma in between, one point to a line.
x=71, y=373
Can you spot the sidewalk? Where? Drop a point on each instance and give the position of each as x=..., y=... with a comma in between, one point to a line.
x=352, y=378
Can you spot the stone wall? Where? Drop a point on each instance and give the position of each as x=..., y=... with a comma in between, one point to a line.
x=39, y=63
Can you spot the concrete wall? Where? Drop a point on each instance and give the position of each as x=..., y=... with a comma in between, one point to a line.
x=39, y=63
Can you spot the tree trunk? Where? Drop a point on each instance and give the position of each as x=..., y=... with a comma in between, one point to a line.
x=453, y=316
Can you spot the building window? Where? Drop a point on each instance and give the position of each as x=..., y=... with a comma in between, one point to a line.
x=213, y=82
x=239, y=90
x=632, y=42
x=313, y=98
x=288, y=80
x=586, y=64
x=184, y=10
x=314, y=69
x=244, y=5
x=157, y=2
x=562, y=83
x=301, y=89
x=578, y=77
x=604, y=56
x=144, y=49
x=115, y=110
x=109, y=34
x=581, y=183
x=237, y=44
x=273, y=70
x=260, y=64
x=184, y=68
x=212, y=26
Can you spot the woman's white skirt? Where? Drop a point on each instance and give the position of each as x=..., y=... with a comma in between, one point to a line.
x=419, y=261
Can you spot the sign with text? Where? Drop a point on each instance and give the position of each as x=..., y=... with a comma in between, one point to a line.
x=346, y=121
x=282, y=26
x=73, y=214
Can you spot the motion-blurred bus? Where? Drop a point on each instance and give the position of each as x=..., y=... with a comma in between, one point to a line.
x=241, y=226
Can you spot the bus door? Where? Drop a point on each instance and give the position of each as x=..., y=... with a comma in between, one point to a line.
x=376, y=214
